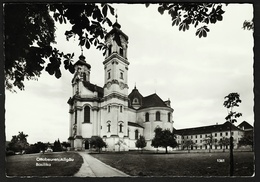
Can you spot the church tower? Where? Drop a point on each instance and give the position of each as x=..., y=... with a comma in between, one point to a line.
x=115, y=103
x=116, y=63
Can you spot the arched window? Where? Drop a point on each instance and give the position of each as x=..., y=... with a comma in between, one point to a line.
x=135, y=101
x=146, y=116
x=76, y=116
x=109, y=50
x=121, y=51
x=108, y=75
x=108, y=109
x=136, y=134
x=121, y=75
x=157, y=116
x=121, y=108
x=84, y=77
x=169, y=117
x=120, y=127
x=86, y=114
x=108, y=126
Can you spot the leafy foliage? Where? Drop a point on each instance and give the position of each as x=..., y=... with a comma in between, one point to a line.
x=224, y=142
x=97, y=142
x=209, y=140
x=164, y=138
x=18, y=142
x=120, y=143
x=232, y=100
x=187, y=144
x=186, y=14
x=65, y=144
x=36, y=148
x=140, y=142
x=57, y=146
x=30, y=35
x=249, y=25
x=246, y=140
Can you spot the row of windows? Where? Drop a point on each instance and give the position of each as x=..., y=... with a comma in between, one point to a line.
x=202, y=141
x=121, y=75
x=121, y=51
x=147, y=115
x=120, y=108
x=206, y=147
x=216, y=134
x=121, y=129
x=157, y=116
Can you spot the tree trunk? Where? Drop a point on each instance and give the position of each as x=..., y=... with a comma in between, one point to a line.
x=231, y=157
x=166, y=150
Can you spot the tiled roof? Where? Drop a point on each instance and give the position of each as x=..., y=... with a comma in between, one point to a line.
x=206, y=129
x=94, y=88
x=135, y=94
x=245, y=125
x=152, y=101
x=134, y=124
x=145, y=102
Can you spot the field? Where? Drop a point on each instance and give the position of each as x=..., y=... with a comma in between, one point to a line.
x=30, y=164
x=179, y=164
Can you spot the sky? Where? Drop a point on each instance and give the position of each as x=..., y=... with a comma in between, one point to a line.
x=194, y=73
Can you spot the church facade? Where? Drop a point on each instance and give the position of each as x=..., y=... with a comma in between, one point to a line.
x=110, y=111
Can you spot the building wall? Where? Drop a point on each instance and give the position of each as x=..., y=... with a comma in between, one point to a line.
x=198, y=139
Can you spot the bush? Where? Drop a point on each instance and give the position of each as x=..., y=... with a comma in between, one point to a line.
x=9, y=152
x=32, y=149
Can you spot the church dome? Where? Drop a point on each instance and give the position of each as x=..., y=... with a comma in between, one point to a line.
x=135, y=98
x=82, y=61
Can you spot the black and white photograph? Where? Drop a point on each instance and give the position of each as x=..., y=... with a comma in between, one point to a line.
x=129, y=90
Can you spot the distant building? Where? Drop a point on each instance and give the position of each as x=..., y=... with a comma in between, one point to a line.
x=108, y=111
x=217, y=132
x=246, y=127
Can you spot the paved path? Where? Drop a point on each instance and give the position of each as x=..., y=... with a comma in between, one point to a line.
x=93, y=167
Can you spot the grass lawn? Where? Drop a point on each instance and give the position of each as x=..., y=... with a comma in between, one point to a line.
x=26, y=165
x=182, y=164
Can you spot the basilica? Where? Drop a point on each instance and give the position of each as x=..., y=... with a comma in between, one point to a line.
x=110, y=111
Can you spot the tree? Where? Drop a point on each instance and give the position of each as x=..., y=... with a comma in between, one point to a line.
x=140, y=143
x=97, y=142
x=187, y=144
x=30, y=33
x=65, y=145
x=57, y=146
x=164, y=138
x=30, y=37
x=209, y=141
x=186, y=14
x=19, y=142
x=232, y=100
x=224, y=142
x=36, y=148
x=246, y=140
x=120, y=143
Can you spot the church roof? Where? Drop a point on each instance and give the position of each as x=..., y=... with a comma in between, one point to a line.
x=135, y=94
x=206, y=129
x=134, y=124
x=82, y=61
x=152, y=101
x=145, y=102
x=94, y=88
x=116, y=31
